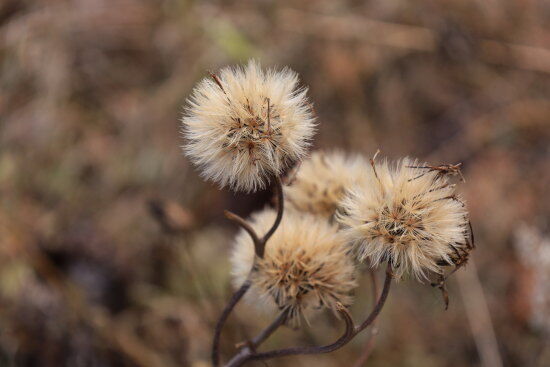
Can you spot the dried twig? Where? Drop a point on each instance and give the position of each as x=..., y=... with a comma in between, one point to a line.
x=223, y=318
x=348, y=335
x=259, y=247
x=260, y=242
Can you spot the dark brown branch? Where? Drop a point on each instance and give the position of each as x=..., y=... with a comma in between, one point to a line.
x=280, y=209
x=259, y=248
x=343, y=340
x=258, y=245
x=279, y=321
x=223, y=318
x=348, y=335
x=250, y=346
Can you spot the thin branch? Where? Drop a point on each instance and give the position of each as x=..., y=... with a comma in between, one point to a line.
x=259, y=243
x=250, y=346
x=348, y=335
x=223, y=318
x=259, y=247
x=343, y=340
x=279, y=321
x=247, y=227
x=280, y=209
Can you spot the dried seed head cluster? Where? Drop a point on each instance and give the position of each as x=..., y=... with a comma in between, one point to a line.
x=244, y=125
x=322, y=180
x=305, y=266
x=408, y=216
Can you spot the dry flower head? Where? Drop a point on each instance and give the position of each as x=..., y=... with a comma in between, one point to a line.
x=322, y=180
x=305, y=266
x=408, y=216
x=244, y=125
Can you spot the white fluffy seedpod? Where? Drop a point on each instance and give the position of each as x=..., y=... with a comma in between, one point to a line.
x=322, y=180
x=244, y=125
x=410, y=217
x=305, y=266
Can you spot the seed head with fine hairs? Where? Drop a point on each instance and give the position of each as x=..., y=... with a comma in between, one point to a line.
x=305, y=266
x=407, y=216
x=244, y=125
x=322, y=180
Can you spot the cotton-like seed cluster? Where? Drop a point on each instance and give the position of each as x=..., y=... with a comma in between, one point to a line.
x=410, y=217
x=244, y=125
x=322, y=181
x=305, y=267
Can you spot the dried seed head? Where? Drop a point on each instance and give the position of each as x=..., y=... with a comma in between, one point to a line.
x=322, y=180
x=244, y=125
x=407, y=216
x=305, y=266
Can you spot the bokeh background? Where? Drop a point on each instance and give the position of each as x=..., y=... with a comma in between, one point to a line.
x=113, y=252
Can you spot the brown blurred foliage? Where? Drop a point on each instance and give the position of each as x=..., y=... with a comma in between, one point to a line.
x=113, y=250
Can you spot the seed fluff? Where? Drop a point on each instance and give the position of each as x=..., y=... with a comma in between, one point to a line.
x=306, y=266
x=407, y=216
x=244, y=125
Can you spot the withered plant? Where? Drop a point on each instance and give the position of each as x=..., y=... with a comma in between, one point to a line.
x=244, y=128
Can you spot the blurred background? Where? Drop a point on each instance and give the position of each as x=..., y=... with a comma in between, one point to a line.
x=113, y=252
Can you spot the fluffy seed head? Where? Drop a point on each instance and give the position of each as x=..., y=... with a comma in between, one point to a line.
x=322, y=180
x=410, y=217
x=244, y=125
x=305, y=266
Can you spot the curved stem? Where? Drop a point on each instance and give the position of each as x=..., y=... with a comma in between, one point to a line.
x=250, y=347
x=223, y=318
x=279, y=321
x=259, y=243
x=259, y=248
x=247, y=227
x=280, y=209
x=343, y=340
x=348, y=335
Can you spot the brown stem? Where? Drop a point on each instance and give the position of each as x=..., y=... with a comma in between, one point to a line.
x=247, y=227
x=223, y=318
x=280, y=209
x=259, y=248
x=250, y=347
x=343, y=340
x=259, y=243
x=348, y=335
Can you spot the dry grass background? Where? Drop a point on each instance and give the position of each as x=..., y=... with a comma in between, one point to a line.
x=113, y=250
